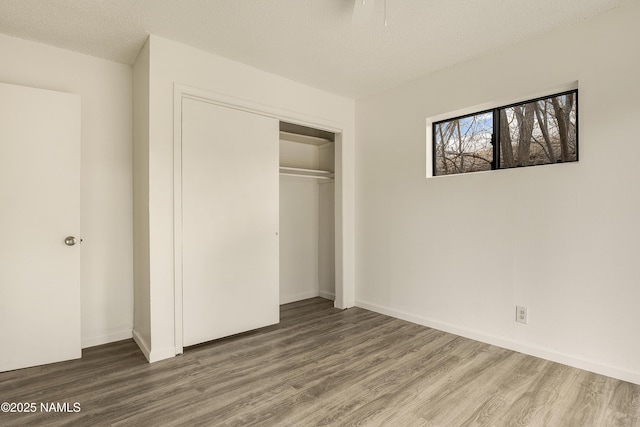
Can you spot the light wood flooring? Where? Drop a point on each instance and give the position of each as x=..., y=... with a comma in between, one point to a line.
x=323, y=366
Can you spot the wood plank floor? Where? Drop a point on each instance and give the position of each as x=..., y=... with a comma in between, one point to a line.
x=322, y=366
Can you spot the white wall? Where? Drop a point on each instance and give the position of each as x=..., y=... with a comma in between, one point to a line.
x=307, y=231
x=299, y=209
x=459, y=253
x=170, y=63
x=307, y=239
x=142, y=298
x=326, y=240
x=106, y=196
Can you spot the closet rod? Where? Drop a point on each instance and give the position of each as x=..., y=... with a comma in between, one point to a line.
x=299, y=175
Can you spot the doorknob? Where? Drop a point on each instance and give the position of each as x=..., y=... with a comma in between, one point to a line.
x=70, y=241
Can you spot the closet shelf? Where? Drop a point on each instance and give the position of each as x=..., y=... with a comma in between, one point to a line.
x=304, y=139
x=306, y=173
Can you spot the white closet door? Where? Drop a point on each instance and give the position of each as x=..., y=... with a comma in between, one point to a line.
x=39, y=208
x=229, y=221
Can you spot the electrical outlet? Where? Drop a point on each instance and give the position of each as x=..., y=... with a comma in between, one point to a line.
x=521, y=314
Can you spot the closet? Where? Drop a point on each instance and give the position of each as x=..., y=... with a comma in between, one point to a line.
x=256, y=218
x=307, y=212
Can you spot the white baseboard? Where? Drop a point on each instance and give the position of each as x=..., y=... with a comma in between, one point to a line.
x=532, y=350
x=142, y=344
x=286, y=299
x=153, y=355
x=327, y=295
x=112, y=336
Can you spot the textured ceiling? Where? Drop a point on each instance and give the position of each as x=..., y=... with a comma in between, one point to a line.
x=311, y=41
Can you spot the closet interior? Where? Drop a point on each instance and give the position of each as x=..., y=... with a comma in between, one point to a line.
x=307, y=213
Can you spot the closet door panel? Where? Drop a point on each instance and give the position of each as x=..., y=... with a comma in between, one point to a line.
x=230, y=215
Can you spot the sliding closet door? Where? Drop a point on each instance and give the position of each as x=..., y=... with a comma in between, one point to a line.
x=230, y=221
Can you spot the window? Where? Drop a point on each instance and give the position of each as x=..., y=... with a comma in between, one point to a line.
x=535, y=132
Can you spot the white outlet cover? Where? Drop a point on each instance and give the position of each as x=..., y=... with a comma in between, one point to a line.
x=522, y=314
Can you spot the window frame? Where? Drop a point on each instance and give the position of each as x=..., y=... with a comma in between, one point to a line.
x=495, y=138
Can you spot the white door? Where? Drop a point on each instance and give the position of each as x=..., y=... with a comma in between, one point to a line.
x=230, y=209
x=39, y=208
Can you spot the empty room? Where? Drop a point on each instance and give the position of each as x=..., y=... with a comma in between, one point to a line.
x=319, y=212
